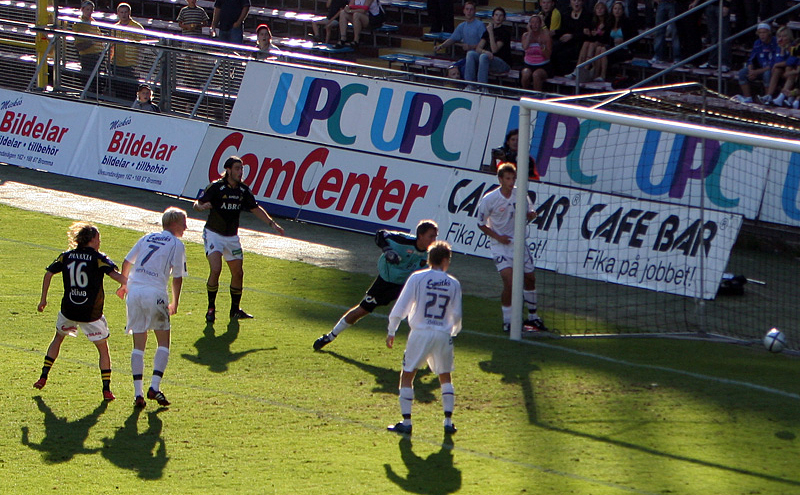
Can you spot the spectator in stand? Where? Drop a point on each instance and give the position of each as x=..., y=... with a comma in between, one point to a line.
x=468, y=34
x=689, y=30
x=759, y=63
x=361, y=13
x=595, y=36
x=192, y=19
x=493, y=53
x=712, y=13
x=784, y=69
x=568, y=40
x=771, y=8
x=621, y=29
x=88, y=51
x=440, y=13
x=264, y=43
x=144, y=100
x=667, y=9
x=228, y=20
x=537, y=45
x=125, y=56
x=334, y=8
x=632, y=11
x=746, y=12
x=550, y=14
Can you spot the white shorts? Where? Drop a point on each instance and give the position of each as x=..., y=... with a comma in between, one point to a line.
x=431, y=346
x=148, y=309
x=94, y=330
x=228, y=245
x=503, y=255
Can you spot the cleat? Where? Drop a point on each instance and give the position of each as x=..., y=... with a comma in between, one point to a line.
x=108, y=396
x=449, y=430
x=536, y=324
x=239, y=314
x=40, y=383
x=158, y=396
x=322, y=342
x=506, y=327
x=400, y=428
x=211, y=315
x=139, y=402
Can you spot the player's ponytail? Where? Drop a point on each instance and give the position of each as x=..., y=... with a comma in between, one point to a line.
x=80, y=234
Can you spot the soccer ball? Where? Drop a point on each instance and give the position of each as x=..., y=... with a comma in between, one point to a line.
x=774, y=340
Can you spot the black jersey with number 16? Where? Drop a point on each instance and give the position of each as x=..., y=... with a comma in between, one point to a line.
x=82, y=270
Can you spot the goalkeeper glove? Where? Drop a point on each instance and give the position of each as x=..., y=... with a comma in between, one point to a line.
x=391, y=256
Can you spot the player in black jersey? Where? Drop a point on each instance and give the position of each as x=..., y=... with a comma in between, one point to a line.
x=225, y=199
x=82, y=269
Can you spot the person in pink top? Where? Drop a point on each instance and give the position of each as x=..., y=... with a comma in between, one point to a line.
x=537, y=45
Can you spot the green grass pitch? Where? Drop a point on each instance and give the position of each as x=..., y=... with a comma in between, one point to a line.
x=255, y=410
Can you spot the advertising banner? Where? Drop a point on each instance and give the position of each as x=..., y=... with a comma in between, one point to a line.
x=643, y=244
x=40, y=132
x=402, y=120
x=138, y=149
x=321, y=184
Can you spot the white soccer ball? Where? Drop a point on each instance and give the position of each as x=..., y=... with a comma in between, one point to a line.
x=775, y=340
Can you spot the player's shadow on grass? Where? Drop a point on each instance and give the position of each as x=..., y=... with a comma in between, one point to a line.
x=387, y=380
x=144, y=453
x=434, y=475
x=514, y=370
x=215, y=351
x=63, y=439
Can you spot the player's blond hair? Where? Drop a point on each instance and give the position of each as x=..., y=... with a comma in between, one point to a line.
x=438, y=252
x=172, y=215
x=81, y=234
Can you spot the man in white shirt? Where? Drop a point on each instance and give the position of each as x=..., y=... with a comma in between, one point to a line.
x=148, y=267
x=496, y=220
x=431, y=299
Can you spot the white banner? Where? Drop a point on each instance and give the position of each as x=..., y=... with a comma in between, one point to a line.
x=412, y=122
x=40, y=132
x=138, y=149
x=641, y=244
x=321, y=184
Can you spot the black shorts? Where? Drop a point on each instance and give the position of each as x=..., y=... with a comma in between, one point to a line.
x=380, y=293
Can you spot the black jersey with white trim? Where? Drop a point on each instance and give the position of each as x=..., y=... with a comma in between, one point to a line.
x=82, y=271
x=226, y=204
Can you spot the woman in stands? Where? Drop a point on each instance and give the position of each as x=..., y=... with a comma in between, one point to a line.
x=569, y=38
x=620, y=28
x=595, y=36
x=361, y=13
x=784, y=69
x=538, y=46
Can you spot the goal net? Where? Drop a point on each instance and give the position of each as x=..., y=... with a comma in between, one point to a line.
x=654, y=226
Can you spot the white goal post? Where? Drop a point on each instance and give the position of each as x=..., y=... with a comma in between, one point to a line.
x=530, y=109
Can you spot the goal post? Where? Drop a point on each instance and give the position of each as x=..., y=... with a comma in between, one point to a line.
x=710, y=145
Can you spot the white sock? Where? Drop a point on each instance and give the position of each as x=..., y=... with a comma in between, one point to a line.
x=507, y=314
x=340, y=327
x=448, y=401
x=406, y=400
x=779, y=99
x=137, y=369
x=160, y=361
x=530, y=299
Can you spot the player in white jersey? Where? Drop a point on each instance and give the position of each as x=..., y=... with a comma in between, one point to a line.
x=496, y=220
x=431, y=299
x=148, y=267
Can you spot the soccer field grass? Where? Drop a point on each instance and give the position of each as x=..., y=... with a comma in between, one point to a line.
x=255, y=410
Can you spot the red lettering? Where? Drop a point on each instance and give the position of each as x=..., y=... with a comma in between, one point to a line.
x=376, y=186
x=278, y=169
x=250, y=162
x=114, y=145
x=300, y=195
x=414, y=193
x=360, y=180
x=331, y=182
x=232, y=140
x=8, y=119
x=388, y=197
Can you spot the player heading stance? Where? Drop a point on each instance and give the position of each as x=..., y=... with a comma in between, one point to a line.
x=496, y=219
x=226, y=198
x=148, y=266
x=431, y=299
x=402, y=255
x=83, y=267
